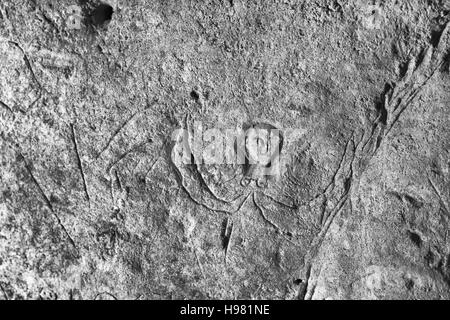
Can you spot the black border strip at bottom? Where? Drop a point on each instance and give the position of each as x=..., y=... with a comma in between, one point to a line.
x=217, y=309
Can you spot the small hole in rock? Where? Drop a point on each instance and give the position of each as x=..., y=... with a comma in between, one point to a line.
x=429, y=258
x=298, y=281
x=415, y=238
x=102, y=14
x=195, y=95
x=409, y=284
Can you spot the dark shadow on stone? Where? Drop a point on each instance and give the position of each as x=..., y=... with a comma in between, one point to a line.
x=101, y=15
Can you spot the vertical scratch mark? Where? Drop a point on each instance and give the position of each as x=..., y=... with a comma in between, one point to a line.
x=41, y=191
x=124, y=124
x=116, y=132
x=4, y=105
x=333, y=214
x=79, y=163
x=47, y=202
x=152, y=167
x=267, y=220
x=277, y=229
x=3, y=291
x=313, y=291
x=227, y=233
x=304, y=286
x=198, y=263
x=333, y=178
x=29, y=66
x=444, y=204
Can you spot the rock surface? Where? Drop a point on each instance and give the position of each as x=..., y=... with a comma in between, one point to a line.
x=94, y=203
